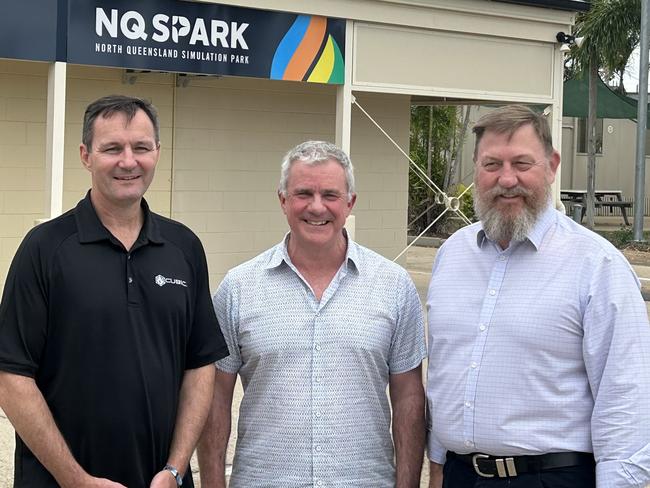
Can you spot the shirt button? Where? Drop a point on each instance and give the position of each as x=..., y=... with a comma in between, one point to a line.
x=130, y=280
x=319, y=483
x=317, y=347
x=468, y=404
x=493, y=292
x=128, y=256
x=469, y=443
x=502, y=258
x=317, y=380
x=482, y=327
x=318, y=449
x=318, y=414
x=473, y=365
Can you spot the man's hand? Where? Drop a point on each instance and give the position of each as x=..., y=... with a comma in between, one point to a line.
x=435, y=475
x=92, y=482
x=163, y=479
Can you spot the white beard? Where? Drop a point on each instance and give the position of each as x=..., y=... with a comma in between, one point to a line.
x=509, y=228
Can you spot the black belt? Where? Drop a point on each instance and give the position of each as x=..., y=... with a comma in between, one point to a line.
x=508, y=466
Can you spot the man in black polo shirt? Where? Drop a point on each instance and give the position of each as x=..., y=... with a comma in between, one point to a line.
x=107, y=331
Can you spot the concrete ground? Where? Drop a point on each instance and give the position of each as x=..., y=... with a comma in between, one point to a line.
x=418, y=262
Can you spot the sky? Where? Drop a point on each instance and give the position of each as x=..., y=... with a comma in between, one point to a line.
x=631, y=77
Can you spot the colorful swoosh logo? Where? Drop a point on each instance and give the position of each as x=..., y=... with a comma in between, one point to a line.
x=300, y=47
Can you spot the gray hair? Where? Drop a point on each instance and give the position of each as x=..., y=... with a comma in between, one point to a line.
x=316, y=152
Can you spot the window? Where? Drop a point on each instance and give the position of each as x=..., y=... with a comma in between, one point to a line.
x=582, y=136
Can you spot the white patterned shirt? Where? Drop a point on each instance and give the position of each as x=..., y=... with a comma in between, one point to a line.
x=542, y=347
x=315, y=410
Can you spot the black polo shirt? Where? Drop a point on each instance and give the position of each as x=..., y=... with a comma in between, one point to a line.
x=107, y=335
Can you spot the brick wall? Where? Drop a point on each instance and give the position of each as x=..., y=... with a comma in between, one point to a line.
x=222, y=142
x=23, y=109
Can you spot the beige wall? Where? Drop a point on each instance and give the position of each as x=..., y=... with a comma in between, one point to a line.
x=229, y=140
x=614, y=167
x=222, y=143
x=461, y=65
x=23, y=106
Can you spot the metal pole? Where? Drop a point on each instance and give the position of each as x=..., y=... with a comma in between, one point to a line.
x=577, y=213
x=641, y=123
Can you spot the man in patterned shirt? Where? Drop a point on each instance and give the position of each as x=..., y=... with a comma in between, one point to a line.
x=318, y=326
x=539, y=364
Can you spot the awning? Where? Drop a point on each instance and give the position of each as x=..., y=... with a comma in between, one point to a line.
x=610, y=105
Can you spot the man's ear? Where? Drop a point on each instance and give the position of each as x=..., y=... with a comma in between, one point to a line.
x=351, y=202
x=553, y=164
x=83, y=155
x=283, y=201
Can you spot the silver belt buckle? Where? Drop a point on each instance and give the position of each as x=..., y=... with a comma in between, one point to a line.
x=475, y=458
x=505, y=466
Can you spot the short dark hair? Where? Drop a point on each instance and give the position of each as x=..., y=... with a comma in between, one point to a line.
x=112, y=104
x=506, y=120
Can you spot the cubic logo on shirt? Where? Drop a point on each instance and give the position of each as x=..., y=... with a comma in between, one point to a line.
x=162, y=281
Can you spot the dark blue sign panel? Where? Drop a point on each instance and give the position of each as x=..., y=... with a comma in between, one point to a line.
x=188, y=37
x=28, y=30
x=573, y=5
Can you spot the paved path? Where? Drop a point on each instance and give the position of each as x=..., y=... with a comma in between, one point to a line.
x=418, y=262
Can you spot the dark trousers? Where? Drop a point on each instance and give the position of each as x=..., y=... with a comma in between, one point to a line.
x=457, y=474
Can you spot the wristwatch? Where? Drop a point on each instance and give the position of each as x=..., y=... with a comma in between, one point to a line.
x=175, y=474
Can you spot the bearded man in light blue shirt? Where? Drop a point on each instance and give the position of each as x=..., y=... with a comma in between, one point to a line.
x=539, y=343
x=318, y=326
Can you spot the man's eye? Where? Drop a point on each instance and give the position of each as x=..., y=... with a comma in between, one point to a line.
x=331, y=196
x=112, y=150
x=491, y=166
x=142, y=149
x=523, y=165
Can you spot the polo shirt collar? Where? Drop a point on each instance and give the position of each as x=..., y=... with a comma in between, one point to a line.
x=91, y=229
x=280, y=254
x=544, y=222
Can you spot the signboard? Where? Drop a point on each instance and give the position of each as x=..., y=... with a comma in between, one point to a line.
x=189, y=37
x=573, y=5
x=28, y=30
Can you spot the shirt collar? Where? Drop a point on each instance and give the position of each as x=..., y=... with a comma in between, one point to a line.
x=543, y=223
x=280, y=254
x=91, y=229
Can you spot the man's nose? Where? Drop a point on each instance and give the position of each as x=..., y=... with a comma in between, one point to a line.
x=508, y=176
x=316, y=204
x=128, y=159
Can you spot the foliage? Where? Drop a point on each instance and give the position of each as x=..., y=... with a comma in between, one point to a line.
x=611, y=30
x=623, y=238
x=435, y=135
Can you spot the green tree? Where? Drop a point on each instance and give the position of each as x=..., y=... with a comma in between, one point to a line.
x=437, y=133
x=611, y=30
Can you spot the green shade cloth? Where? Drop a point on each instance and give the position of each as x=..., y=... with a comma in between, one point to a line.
x=610, y=105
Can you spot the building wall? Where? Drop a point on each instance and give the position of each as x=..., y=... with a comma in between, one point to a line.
x=614, y=167
x=23, y=108
x=222, y=143
x=230, y=137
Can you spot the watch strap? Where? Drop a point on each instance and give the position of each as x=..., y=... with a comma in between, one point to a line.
x=174, y=472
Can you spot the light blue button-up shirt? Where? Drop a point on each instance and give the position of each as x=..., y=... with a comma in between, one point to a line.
x=315, y=373
x=541, y=347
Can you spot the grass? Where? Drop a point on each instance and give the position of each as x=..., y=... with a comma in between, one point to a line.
x=623, y=238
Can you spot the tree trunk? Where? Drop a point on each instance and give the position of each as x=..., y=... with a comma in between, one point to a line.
x=430, y=195
x=591, y=150
x=451, y=177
